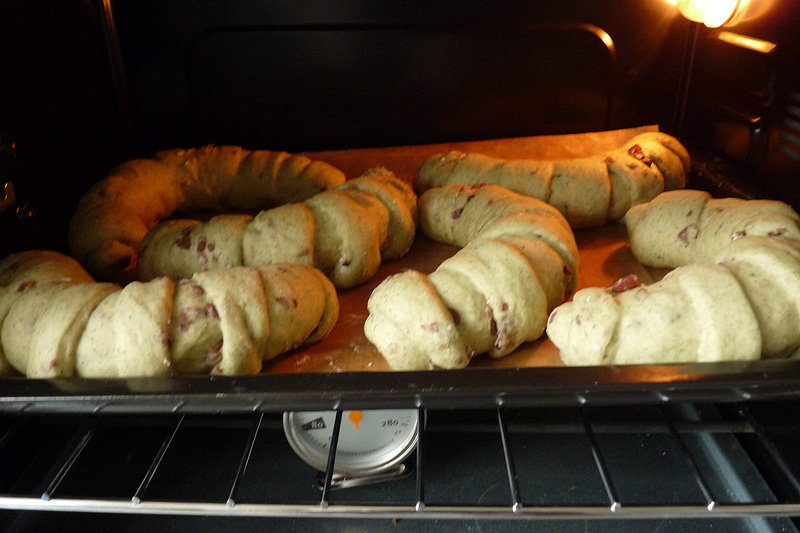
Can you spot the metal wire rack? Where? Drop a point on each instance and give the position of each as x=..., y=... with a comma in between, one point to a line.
x=685, y=460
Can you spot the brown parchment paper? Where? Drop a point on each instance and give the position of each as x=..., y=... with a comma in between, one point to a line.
x=604, y=252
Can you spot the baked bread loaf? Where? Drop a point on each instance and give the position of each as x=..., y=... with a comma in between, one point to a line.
x=56, y=321
x=345, y=232
x=681, y=227
x=114, y=215
x=518, y=261
x=589, y=191
x=743, y=304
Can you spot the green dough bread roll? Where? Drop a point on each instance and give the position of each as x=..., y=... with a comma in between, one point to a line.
x=518, y=260
x=681, y=227
x=742, y=304
x=346, y=232
x=588, y=191
x=56, y=321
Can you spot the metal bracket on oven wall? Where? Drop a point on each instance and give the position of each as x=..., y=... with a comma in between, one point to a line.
x=7, y=196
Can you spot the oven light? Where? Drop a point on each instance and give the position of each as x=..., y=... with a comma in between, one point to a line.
x=712, y=13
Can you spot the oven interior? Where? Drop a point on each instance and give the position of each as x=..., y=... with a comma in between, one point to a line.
x=88, y=84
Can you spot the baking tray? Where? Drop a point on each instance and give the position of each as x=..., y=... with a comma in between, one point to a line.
x=345, y=370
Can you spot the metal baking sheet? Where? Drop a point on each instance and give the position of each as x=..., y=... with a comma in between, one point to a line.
x=345, y=370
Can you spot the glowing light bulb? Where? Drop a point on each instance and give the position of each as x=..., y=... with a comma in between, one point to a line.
x=712, y=13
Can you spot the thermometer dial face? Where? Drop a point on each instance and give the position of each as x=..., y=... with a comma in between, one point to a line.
x=369, y=441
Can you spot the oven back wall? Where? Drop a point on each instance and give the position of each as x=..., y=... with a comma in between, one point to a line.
x=302, y=76
x=340, y=74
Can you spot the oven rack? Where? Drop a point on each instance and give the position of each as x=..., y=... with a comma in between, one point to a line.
x=707, y=460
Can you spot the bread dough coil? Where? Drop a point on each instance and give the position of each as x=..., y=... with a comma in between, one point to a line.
x=55, y=320
x=734, y=293
x=681, y=227
x=742, y=304
x=589, y=191
x=346, y=232
x=115, y=214
x=518, y=260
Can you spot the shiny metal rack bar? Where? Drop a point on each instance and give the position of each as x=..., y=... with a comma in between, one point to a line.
x=587, y=425
x=602, y=468
x=486, y=388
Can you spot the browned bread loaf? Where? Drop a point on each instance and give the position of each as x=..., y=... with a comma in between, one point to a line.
x=114, y=215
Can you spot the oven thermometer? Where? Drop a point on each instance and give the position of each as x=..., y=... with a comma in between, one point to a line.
x=370, y=442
